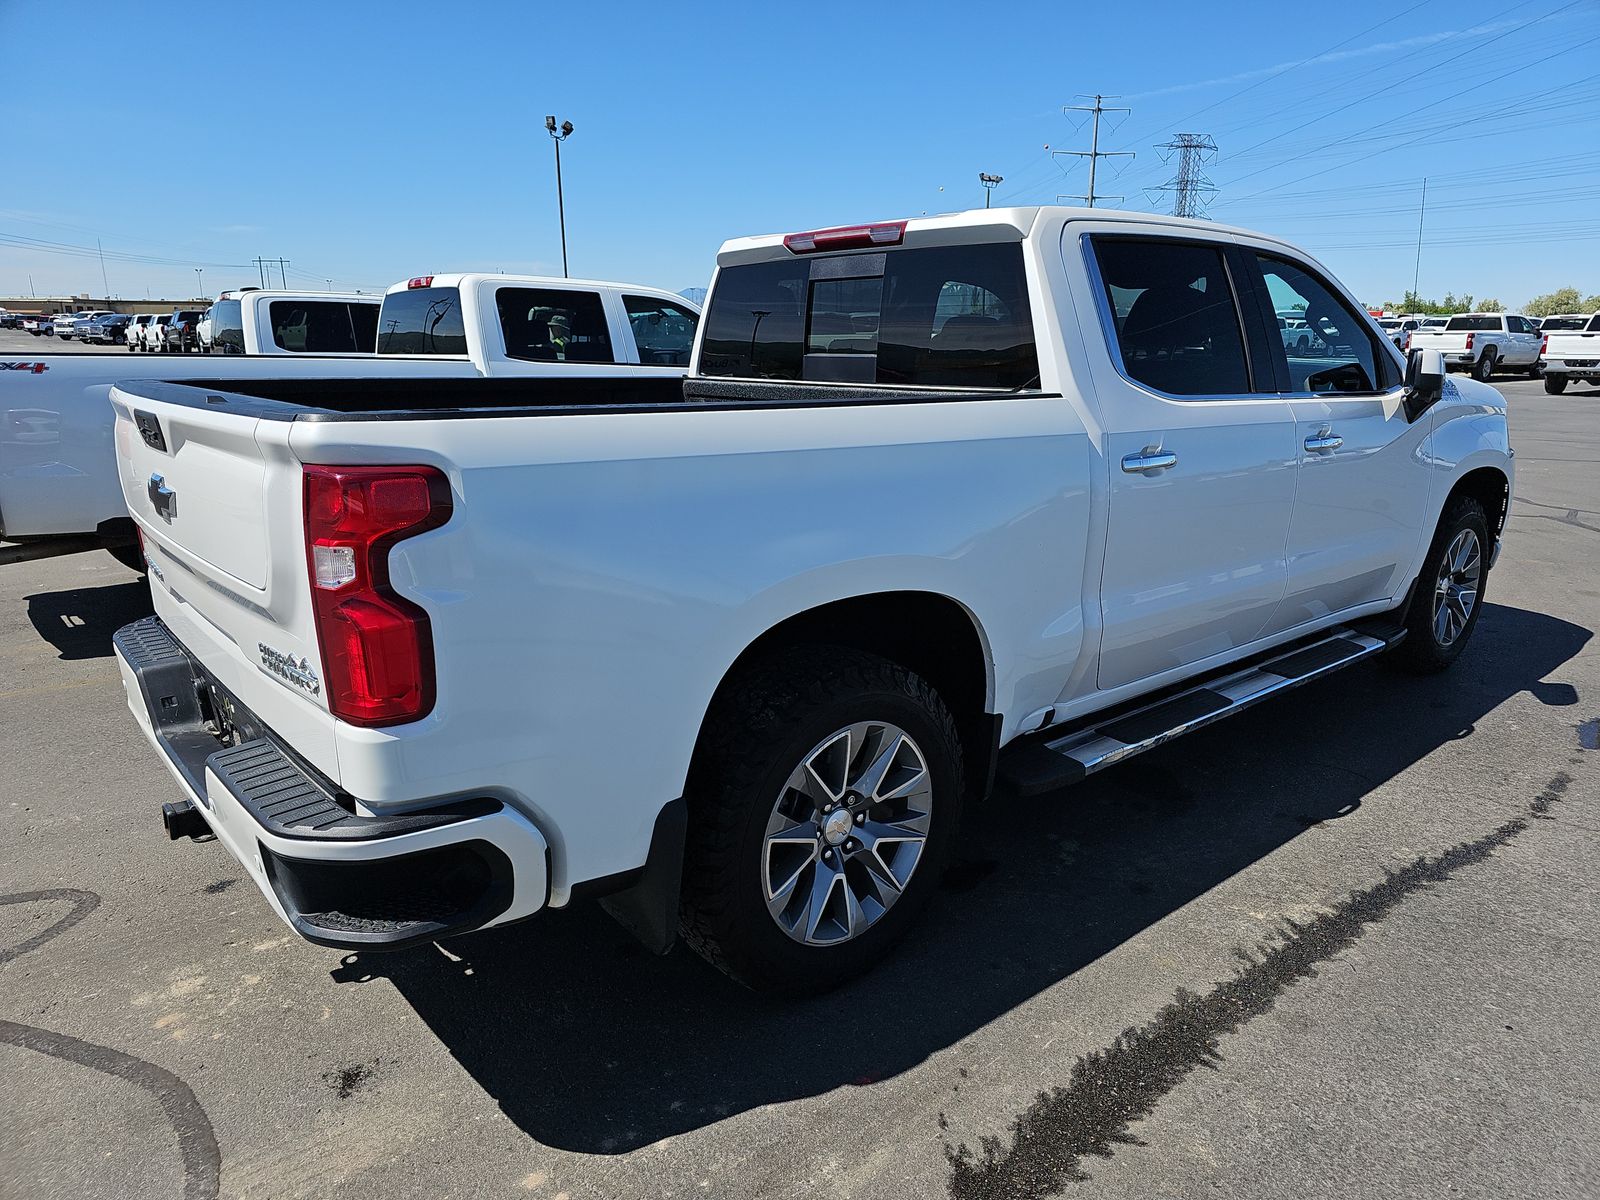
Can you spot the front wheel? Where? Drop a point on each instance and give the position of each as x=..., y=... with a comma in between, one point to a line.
x=1449, y=593
x=824, y=803
x=1554, y=385
x=1483, y=369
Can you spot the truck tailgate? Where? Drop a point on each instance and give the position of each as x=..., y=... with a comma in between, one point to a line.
x=228, y=581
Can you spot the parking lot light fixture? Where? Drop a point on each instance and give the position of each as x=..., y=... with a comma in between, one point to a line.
x=990, y=182
x=200, y=282
x=560, y=135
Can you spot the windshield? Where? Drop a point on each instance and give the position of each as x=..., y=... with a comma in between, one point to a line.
x=422, y=321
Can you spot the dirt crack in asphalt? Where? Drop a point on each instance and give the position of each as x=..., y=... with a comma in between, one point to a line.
x=1112, y=1088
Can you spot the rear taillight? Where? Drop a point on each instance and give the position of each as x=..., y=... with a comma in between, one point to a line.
x=846, y=237
x=1408, y=341
x=1544, y=344
x=1469, y=341
x=377, y=646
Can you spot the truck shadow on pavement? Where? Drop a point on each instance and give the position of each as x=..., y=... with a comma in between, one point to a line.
x=590, y=1044
x=79, y=622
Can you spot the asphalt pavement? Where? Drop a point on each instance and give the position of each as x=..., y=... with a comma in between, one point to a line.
x=1343, y=945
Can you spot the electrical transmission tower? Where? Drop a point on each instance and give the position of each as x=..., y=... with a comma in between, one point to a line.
x=1189, y=187
x=1094, y=154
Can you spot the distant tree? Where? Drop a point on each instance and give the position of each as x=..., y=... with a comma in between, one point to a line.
x=1592, y=304
x=1562, y=300
x=1491, y=306
x=1453, y=304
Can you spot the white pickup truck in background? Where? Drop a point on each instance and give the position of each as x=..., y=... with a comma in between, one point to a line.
x=1027, y=490
x=58, y=478
x=262, y=321
x=1570, y=351
x=1483, y=343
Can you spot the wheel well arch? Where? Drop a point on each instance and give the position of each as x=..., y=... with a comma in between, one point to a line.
x=1490, y=487
x=926, y=632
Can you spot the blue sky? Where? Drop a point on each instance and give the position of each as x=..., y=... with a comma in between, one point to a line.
x=366, y=142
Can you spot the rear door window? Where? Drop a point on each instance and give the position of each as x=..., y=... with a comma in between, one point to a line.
x=1174, y=316
x=422, y=321
x=663, y=331
x=947, y=316
x=323, y=326
x=553, y=325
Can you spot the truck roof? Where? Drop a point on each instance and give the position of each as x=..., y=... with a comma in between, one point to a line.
x=467, y=279
x=982, y=225
x=297, y=294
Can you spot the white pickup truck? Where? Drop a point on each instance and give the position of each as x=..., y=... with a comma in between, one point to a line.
x=1483, y=343
x=262, y=321
x=1570, y=350
x=1029, y=489
x=58, y=476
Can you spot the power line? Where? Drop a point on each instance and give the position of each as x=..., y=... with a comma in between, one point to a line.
x=1094, y=154
x=1190, y=185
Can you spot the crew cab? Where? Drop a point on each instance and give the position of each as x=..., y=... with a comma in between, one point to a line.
x=58, y=477
x=1025, y=490
x=39, y=323
x=67, y=327
x=1570, y=350
x=134, y=333
x=262, y=321
x=1483, y=343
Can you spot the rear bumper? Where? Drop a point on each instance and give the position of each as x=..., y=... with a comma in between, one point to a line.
x=1572, y=366
x=337, y=876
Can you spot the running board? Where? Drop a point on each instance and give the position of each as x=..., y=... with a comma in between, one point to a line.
x=1045, y=763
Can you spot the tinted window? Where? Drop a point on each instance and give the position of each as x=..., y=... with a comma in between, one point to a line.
x=1176, y=323
x=943, y=316
x=1594, y=325
x=663, y=331
x=227, y=327
x=549, y=325
x=323, y=326
x=1343, y=355
x=1474, y=324
x=1558, y=323
x=422, y=321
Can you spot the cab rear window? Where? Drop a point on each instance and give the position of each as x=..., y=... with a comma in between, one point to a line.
x=946, y=316
x=1473, y=324
x=422, y=321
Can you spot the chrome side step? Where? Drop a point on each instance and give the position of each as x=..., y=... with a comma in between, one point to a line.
x=1046, y=763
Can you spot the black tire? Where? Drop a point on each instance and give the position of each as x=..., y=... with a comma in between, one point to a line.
x=760, y=729
x=1483, y=369
x=1554, y=385
x=1422, y=652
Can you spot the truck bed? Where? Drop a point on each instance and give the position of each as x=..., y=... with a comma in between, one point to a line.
x=390, y=399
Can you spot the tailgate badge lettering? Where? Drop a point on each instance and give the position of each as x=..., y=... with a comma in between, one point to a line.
x=289, y=669
x=162, y=498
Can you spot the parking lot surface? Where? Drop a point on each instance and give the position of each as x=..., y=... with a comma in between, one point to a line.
x=1343, y=945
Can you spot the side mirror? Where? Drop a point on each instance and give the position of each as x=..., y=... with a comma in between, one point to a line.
x=1424, y=381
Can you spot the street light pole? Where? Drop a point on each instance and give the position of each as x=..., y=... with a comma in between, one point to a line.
x=200, y=282
x=560, y=135
x=990, y=182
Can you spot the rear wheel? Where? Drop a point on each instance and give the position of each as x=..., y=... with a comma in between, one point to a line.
x=1449, y=593
x=1555, y=384
x=1483, y=369
x=824, y=803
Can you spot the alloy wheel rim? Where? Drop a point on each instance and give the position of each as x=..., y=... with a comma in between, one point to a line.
x=846, y=833
x=1455, y=594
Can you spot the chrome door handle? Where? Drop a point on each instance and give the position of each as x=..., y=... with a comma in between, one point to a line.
x=1324, y=442
x=1148, y=461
